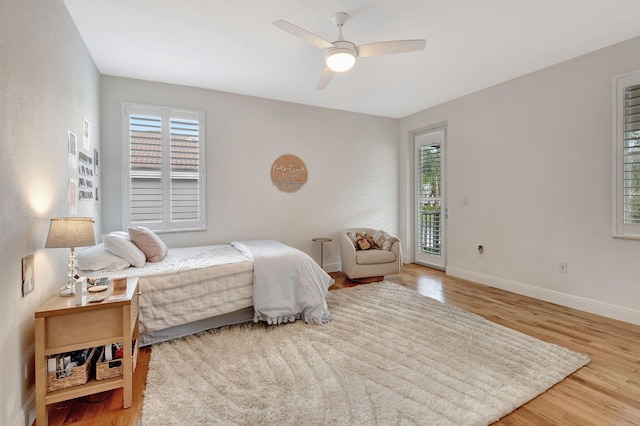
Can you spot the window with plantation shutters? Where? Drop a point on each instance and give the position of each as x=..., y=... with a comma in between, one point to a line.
x=164, y=166
x=626, y=156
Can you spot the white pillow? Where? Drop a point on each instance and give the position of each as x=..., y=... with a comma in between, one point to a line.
x=96, y=258
x=151, y=245
x=118, y=243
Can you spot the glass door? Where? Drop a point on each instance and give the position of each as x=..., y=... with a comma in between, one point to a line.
x=429, y=205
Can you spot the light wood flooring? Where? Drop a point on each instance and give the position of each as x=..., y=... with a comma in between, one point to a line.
x=605, y=392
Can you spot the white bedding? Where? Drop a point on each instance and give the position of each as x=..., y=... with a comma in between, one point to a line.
x=197, y=288
x=191, y=284
x=287, y=284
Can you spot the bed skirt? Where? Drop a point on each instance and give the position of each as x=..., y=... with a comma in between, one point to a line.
x=237, y=317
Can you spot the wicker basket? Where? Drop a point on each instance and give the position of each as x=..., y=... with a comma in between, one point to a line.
x=113, y=368
x=79, y=375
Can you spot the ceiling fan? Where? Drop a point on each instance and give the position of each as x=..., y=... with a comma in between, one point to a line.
x=341, y=55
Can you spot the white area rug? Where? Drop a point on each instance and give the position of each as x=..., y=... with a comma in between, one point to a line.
x=389, y=356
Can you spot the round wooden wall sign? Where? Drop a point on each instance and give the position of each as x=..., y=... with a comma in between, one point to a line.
x=288, y=173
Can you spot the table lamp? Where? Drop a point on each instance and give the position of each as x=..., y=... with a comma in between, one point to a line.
x=70, y=232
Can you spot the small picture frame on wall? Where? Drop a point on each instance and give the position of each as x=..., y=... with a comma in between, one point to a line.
x=73, y=150
x=86, y=135
x=73, y=197
x=96, y=166
x=28, y=282
x=85, y=176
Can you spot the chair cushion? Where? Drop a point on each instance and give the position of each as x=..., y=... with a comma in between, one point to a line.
x=384, y=240
x=374, y=257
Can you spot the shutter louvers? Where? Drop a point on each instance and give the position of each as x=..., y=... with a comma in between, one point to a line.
x=185, y=170
x=631, y=155
x=146, y=168
x=164, y=151
x=429, y=193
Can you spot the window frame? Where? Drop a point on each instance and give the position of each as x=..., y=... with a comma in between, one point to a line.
x=619, y=228
x=166, y=224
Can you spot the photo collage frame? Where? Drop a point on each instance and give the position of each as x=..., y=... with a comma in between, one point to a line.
x=83, y=186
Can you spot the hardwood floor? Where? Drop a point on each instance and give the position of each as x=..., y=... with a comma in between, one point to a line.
x=605, y=392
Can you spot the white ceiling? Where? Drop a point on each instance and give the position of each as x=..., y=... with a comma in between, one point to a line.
x=232, y=46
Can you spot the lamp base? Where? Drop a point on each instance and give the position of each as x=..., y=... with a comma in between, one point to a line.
x=67, y=291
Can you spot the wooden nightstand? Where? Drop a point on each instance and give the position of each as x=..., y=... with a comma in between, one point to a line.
x=61, y=326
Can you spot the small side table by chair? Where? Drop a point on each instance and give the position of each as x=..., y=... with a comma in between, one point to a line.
x=322, y=241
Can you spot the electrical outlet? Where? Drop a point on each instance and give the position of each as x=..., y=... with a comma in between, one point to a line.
x=563, y=267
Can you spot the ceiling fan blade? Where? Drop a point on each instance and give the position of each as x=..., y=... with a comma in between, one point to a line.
x=303, y=34
x=325, y=78
x=390, y=47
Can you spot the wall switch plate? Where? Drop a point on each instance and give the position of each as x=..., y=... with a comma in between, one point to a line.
x=27, y=275
x=563, y=267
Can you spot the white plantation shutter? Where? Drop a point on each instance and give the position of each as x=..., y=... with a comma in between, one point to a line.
x=185, y=170
x=627, y=156
x=164, y=166
x=429, y=200
x=631, y=154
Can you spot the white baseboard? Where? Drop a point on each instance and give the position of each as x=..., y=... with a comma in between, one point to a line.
x=610, y=311
x=332, y=267
x=28, y=412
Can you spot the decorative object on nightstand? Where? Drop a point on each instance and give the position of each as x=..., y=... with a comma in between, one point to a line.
x=70, y=232
x=322, y=240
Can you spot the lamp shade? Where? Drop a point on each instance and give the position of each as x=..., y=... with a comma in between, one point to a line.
x=71, y=232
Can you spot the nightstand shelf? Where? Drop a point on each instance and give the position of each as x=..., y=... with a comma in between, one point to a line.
x=61, y=327
x=89, y=388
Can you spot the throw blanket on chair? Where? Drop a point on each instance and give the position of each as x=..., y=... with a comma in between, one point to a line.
x=287, y=284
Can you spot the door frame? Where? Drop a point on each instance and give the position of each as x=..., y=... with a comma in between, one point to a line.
x=436, y=262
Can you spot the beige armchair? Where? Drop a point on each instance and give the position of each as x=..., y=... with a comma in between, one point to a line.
x=359, y=264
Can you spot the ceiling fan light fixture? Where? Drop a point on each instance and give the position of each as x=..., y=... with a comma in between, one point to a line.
x=340, y=60
x=342, y=57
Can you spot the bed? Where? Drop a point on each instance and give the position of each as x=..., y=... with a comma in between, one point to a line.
x=197, y=288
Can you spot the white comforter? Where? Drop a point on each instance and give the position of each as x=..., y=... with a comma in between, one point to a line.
x=287, y=283
x=191, y=284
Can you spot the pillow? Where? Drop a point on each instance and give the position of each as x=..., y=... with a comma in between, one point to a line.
x=151, y=245
x=96, y=258
x=353, y=238
x=384, y=240
x=118, y=243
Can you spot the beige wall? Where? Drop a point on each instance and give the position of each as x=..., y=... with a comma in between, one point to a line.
x=48, y=85
x=529, y=177
x=351, y=160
